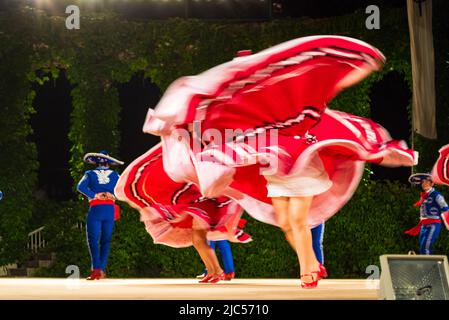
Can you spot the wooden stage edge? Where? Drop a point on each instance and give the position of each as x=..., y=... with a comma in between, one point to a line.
x=184, y=289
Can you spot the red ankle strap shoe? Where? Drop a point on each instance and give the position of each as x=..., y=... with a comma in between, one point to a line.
x=217, y=277
x=322, y=272
x=309, y=285
x=95, y=274
x=206, y=278
x=229, y=276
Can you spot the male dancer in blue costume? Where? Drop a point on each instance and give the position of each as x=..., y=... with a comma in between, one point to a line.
x=98, y=186
x=432, y=208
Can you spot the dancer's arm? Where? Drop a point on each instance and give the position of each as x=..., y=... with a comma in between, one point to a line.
x=444, y=210
x=109, y=195
x=83, y=187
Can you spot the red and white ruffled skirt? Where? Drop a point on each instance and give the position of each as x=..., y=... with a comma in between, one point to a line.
x=168, y=208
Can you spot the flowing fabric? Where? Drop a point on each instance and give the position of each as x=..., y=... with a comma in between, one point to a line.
x=286, y=85
x=344, y=142
x=168, y=208
x=440, y=171
x=267, y=113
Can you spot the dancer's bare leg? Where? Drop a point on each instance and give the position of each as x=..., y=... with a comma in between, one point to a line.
x=298, y=214
x=197, y=243
x=209, y=257
x=281, y=208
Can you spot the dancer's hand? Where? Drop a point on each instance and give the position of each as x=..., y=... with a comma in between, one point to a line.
x=110, y=196
x=101, y=196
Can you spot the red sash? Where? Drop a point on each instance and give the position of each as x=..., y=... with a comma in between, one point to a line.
x=97, y=202
x=415, y=230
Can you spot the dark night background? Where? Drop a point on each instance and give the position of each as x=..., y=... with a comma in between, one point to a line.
x=214, y=9
x=53, y=102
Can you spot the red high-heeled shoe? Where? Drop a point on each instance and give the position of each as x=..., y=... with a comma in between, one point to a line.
x=322, y=272
x=217, y=277
x=206, y=278
x=309, y=285
x=229, y=276
x=95, y=274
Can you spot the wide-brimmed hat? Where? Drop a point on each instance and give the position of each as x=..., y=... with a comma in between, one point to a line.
x=101, y=157
x=418, y=178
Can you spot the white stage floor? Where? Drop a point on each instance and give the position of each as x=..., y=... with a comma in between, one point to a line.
x=184, y=289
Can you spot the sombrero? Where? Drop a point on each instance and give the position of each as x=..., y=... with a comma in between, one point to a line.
x=101, y=157
x=418, y=178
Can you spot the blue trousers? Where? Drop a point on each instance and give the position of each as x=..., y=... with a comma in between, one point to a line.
x=317, y=242
x=427, y=237
x=100, y=223
x=226, y=254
